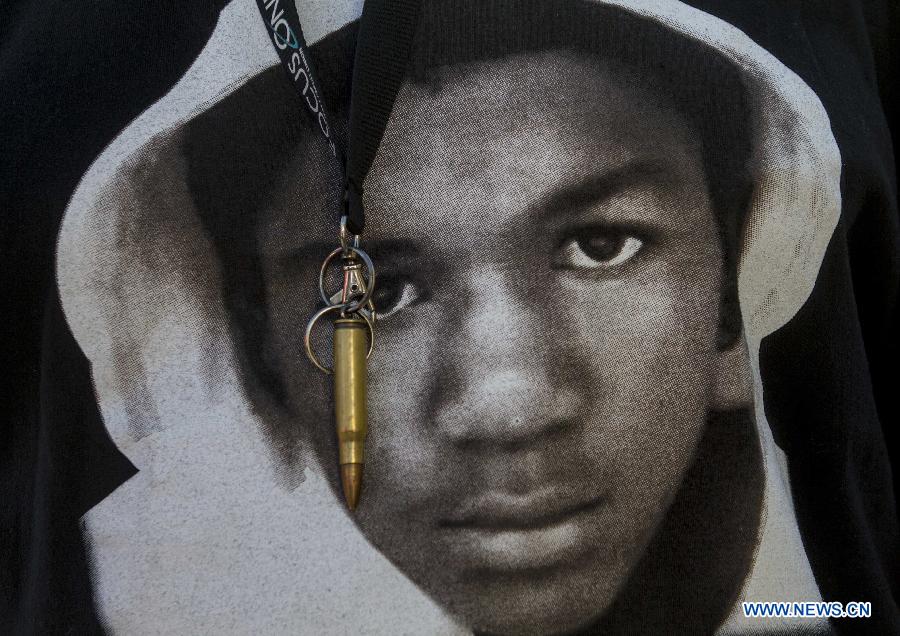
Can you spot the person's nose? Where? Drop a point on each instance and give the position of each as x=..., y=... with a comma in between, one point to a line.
x=504, y=381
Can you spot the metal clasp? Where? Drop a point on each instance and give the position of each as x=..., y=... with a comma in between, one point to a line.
x=354, y=298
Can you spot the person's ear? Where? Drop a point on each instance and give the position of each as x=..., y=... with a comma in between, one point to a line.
x=732, y=387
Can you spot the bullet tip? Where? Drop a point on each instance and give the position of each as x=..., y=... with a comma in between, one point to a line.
x=351, y=480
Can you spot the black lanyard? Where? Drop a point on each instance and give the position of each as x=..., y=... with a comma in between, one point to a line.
x=384, y=41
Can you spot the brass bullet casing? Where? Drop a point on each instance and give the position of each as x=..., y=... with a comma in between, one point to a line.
x=350, y=348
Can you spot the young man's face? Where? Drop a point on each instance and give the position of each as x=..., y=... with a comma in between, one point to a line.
x=549, y=287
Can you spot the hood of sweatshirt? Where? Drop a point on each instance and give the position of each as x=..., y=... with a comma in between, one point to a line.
x=144, y=283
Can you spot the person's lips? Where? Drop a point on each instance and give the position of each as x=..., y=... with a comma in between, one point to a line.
x=511, y=512
x=507, y=532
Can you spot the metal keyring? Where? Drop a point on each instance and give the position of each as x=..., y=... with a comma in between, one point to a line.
x=370, y=266
x=307, y=336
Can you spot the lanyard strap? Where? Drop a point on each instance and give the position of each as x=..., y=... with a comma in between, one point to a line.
x=384, y=41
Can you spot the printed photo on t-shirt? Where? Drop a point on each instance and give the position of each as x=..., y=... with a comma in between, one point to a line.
x=584, y=217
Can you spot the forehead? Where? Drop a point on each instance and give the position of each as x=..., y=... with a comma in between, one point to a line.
x=477, y=146
x=487, y=141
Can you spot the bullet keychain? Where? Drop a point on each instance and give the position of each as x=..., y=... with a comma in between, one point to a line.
x=385, y=37
x=354, y=333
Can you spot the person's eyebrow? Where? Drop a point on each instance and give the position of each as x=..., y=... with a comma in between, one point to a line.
x=592, y=191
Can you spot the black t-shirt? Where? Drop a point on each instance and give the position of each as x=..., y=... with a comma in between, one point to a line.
x=638, y=282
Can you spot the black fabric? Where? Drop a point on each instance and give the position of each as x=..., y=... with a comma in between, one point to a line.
x=384, y=40
x=72, y=76
x=386, y=32
x=286, y=32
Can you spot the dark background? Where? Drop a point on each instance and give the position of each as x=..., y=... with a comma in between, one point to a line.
x=72, y=75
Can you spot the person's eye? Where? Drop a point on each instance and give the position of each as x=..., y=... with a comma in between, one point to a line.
x=393, y=294
x=597, y=248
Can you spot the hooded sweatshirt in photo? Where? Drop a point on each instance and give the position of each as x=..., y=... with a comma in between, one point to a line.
x=638, y=273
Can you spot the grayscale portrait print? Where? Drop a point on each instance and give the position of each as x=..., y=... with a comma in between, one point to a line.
x=585, y=216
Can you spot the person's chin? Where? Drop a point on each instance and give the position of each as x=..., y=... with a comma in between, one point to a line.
x=549, y=576
x=555, y=600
